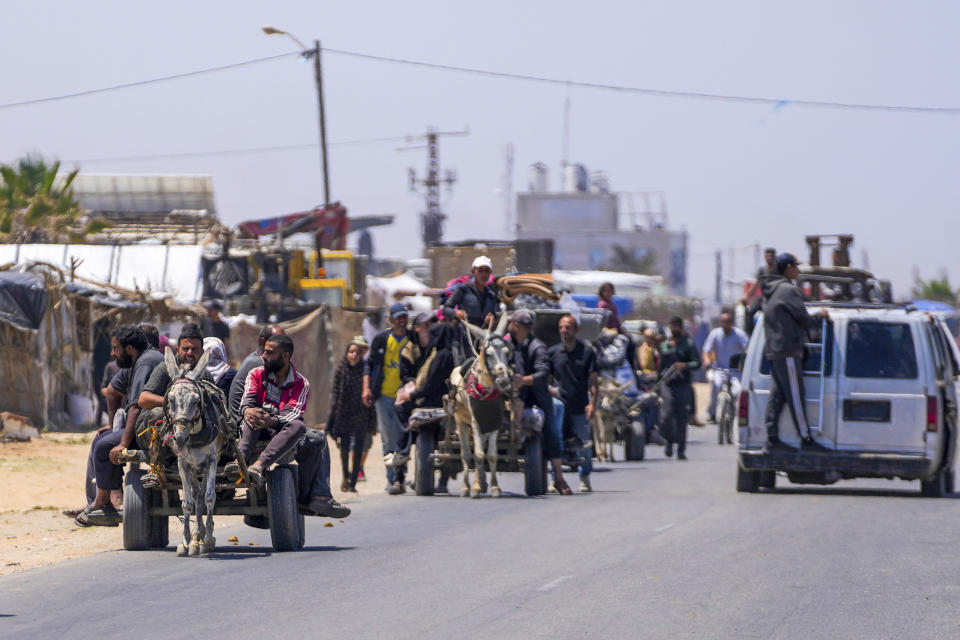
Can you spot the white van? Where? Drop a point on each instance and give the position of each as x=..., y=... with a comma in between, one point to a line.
x=889, y=402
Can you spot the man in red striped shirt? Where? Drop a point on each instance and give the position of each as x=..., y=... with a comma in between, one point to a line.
x=274, y=400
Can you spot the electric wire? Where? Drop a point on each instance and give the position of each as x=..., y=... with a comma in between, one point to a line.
x=242, y=151
x=140, y=83
x=667, y=93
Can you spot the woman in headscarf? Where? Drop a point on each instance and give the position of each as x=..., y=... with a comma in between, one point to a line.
x=605, y=301
x=431, y=380
x=350, y=420
x=217, y=366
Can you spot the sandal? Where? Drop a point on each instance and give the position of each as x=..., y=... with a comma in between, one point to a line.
x=72, y=513
x=563, y=489
x=255, y=477
x=106, y=516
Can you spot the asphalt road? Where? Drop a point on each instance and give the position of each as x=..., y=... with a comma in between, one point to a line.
x=661, y=549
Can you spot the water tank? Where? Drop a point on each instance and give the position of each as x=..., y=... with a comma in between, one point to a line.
x=575, y=178
x=537, y=178
x=599, y=182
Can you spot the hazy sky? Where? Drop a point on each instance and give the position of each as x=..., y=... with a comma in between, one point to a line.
x=734, y=174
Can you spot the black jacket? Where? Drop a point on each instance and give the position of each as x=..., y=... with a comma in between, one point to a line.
x=373, y=365
x=435, y=385
x=531, y=359
x=474, y=303
x=785, y=318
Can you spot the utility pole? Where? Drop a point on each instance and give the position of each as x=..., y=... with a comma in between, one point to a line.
x=718, y=284
x=318, y=73
x=431, y=220
x=507, y=187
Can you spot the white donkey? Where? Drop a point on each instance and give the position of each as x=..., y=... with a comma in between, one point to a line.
x=198, y=445
x=478, y=405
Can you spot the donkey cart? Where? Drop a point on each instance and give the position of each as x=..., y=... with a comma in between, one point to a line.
x=439, y=448
x=146, y=509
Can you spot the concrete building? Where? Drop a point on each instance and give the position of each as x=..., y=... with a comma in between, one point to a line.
x=595, y=228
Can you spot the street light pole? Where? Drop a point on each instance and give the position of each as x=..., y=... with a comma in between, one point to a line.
x=318, y=76
x=318, y=73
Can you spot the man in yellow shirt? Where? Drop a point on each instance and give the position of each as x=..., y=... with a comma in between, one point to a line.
x=381, y=381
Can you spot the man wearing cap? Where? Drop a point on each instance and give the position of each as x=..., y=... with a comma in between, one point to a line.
x=531, y=379
x=785, y=320
x=381, y=382
x=213, y=325
x=477, y=301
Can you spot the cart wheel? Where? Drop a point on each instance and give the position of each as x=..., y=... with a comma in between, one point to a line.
x=423, y=471
x=301, y=530
x=159, y=525
x=283, y=509
x=535, y=469
x=258, y=522
x=634, y=441
x=136, y=524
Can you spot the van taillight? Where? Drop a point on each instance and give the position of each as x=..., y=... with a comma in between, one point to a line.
x=743, y=408
x=932, y=414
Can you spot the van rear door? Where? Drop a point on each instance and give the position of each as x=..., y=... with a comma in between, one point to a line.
x=881, y=399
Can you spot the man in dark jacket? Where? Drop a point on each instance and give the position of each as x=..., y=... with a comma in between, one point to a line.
x=785, y=320
x=475, y=302
x=680, y=353
x=531, y=379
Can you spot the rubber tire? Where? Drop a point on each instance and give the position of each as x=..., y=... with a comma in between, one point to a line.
x=257, y=522
x=634, y=441
x=136, y=524
x=159, y=525
x=950, y=482
x=747, y=481
x=423, y=478
x=535, y=469
x=283, y=509
x=301, y=530
x=937, y=486
x=767, y=480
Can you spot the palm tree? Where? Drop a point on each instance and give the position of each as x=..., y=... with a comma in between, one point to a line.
x=37, y=207
x=936, y=289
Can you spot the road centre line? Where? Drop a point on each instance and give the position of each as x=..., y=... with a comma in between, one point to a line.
x=663, y=528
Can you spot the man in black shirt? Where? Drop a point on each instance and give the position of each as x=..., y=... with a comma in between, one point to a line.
x=213, y=324
x=131, y=349
x=574, y=366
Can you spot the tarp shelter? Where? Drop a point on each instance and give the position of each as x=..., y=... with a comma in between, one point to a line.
x=320, y=339
x=403, y=287
x=48, y=332
x=172, y=270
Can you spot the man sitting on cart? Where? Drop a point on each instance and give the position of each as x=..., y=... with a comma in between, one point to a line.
x=274, y=401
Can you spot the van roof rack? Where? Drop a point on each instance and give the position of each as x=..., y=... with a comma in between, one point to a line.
x=844, y=304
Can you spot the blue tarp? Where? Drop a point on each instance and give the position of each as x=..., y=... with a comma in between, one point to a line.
x=590, y=300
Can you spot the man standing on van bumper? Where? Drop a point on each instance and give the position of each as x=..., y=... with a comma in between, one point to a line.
x=785, y=320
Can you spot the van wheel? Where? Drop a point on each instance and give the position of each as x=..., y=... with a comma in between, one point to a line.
x=937, y=486
x=767, y=480
x=747, y=481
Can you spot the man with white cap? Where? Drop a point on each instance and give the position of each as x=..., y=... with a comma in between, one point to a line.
x=476, y=302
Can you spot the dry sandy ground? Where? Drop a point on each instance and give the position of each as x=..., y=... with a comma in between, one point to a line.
x=43, y=476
